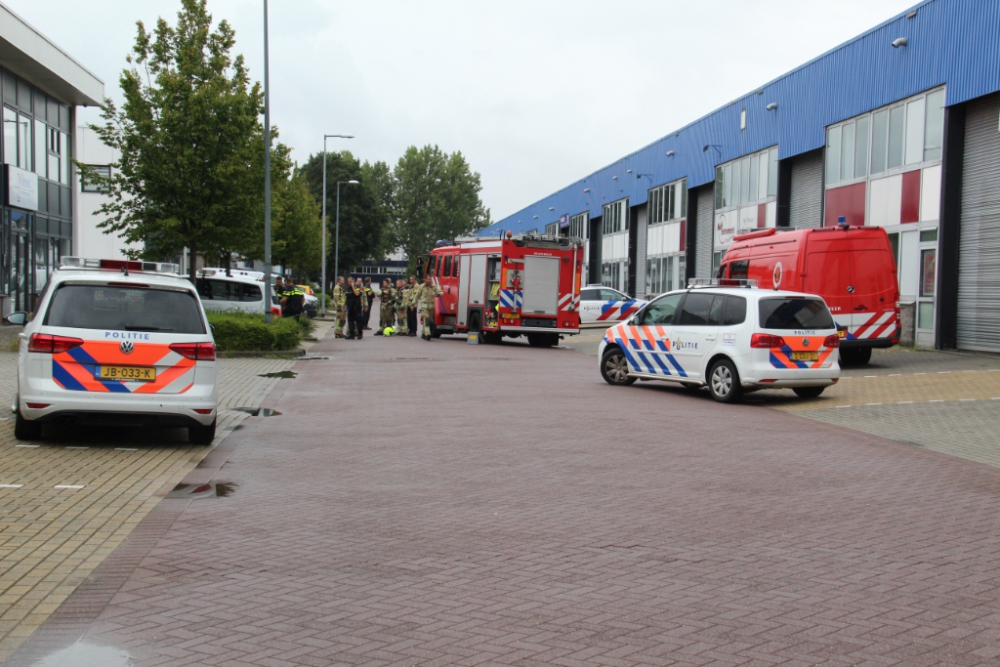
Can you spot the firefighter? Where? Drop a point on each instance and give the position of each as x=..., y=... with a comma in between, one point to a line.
x=387, y=298
x=411, y=306
x=340, y=306
x=400, y=307
x=355, y=295
x=370, y=298
x=428, y=293
x=294, y=299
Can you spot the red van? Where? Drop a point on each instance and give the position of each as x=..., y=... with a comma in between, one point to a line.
x=852, y=268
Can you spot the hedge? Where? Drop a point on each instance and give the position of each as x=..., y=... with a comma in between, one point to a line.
x=248, y=332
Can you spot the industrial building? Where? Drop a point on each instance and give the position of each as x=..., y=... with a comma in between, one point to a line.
x=898, y=128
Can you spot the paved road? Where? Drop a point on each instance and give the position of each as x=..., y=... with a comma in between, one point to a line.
x=439, y=503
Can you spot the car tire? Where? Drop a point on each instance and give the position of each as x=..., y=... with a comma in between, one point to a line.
x=201, y=434
x=724, y=382
x=543, y=340
x=26, y=429
x=863, y=356
x=614, y=368
x=808, y=392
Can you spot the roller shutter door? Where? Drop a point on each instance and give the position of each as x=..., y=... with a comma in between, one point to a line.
x=979, y=239
x=806, y=201
x=705, y=238
x=640, y=252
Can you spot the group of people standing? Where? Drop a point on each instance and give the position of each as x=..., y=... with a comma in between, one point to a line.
x=290, y=296
x=352, y=299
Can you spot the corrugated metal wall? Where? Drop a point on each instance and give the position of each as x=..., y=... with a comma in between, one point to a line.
x=640, y=252
x=805, y=207
x=950, y=41
x=979, y=239
x=706, y=223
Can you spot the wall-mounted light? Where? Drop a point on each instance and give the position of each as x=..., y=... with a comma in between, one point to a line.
x=629, y=171
x=552, y=208
x=614, y=178
x=772, y=106
x=760, y=91
x=912, y=14
x=534, y=217
x=670, y=153
x=718, y=149
x=586, y=190
x=898, y=42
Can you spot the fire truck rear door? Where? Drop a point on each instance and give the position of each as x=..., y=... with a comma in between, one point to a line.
x=476, y=290
x=541, y=285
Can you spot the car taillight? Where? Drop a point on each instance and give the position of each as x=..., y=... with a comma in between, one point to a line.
x=832, y=341
x=196, y=351
x=766, y=341
x=48, y=344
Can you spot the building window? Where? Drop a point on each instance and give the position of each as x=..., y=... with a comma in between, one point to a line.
x=615, y=217
x=749, y=180
x=668, y=202
x=552, y=229
x=40, y=161
x=9, y=136
x=578, y=225
x=102, y=171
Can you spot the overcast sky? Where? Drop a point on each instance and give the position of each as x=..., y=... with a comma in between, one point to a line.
x=535, y=93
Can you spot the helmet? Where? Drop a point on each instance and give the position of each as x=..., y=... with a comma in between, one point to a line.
x=388, y=331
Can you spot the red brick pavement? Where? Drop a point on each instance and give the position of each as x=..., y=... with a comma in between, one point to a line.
x=439, y=504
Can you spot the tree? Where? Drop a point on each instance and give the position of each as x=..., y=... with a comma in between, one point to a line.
x=363, y=220
x=296, y=231
x=435, y=196
x=191, y=142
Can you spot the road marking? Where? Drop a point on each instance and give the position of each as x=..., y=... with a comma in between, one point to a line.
x=936, y=400
x=126, y=449
x=871, y=376
x=78, y=448
x=943, y=372
x=873, y=404
x=11, y=486
x=68, y=486
x=966, y=400
x=995, y=398
x=903, y=402
x=842, y=406
x=920, y=373
x=892, y=375
x=29, y=446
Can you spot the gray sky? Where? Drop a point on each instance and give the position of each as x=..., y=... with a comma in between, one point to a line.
x=535, y=93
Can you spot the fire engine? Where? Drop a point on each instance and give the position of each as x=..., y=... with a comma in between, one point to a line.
x=520, y=285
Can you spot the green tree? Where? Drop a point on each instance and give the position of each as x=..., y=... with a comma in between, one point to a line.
x=363, y=220
x=435, y=196
x=191, y=142
x=296, y=231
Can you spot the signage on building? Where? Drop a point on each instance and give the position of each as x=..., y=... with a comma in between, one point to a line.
x=20, y=188
x=725, y=227
x=564, y=220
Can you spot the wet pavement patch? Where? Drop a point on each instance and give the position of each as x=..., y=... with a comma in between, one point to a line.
x=210, y=490
x=287, y=375
x=258, y=412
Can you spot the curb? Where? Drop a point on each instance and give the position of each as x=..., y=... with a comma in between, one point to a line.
x=265, y=354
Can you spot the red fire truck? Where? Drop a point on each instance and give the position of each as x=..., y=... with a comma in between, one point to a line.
x=523, y=285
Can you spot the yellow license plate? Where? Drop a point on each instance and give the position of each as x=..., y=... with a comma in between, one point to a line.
x=135, y=373
x=805, y=356
x=842, y=333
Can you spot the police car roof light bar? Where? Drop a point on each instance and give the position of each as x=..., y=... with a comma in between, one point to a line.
x=123, y=265
x=695, y=283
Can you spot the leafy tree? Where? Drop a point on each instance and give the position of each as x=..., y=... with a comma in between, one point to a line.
x=435, y=196
x=191, y=142
x=363, y=219
x=296, y=229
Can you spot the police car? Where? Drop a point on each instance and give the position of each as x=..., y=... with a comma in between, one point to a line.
x=117, y=342
x=731, y=339
x=603, y=305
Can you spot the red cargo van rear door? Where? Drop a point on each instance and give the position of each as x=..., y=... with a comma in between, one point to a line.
x=827, y=273
x=873, y=275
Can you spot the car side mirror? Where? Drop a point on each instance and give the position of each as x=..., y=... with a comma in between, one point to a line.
x=18, y=318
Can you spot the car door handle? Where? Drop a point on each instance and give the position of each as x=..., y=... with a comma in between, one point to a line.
x=709, y=338
x=861, y=307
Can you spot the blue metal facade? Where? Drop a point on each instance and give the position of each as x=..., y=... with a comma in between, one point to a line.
x=953, y=42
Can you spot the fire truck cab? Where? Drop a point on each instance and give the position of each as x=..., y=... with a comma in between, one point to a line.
x=519, y=285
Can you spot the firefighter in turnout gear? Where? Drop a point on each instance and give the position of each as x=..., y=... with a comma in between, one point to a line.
x=340, y=306
x=400, y=307
x=370, y=297
x=428, y=294
x=387, y=308
x=412, y=295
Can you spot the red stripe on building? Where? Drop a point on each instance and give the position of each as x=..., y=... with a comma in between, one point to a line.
x=761, y=216
x=910, y=204
x=848, y=201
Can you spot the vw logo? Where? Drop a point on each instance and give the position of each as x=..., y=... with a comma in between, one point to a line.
x=126, y=347
x=805, y=342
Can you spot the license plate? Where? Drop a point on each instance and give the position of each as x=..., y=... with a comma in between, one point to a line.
x=805, y=356
x=842, y=333
x=134, y=373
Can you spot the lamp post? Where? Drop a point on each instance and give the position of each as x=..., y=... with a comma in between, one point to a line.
x=323, y=273
x=267, y=183
x=336, y=246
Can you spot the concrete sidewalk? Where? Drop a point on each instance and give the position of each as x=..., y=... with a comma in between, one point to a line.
x=506, y=506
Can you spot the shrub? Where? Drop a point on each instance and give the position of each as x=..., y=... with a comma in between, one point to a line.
x=248, y=332
x=306, y=326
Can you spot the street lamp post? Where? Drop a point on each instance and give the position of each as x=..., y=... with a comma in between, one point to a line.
x=323, y=273
x=336, y=246
x=267, y=183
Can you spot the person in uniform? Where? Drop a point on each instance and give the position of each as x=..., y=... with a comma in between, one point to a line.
x=370, y=294
x=279, y=293
x=387, y=298
x=294, y=299
x=400, y=305
x=355, y=296
x=340, y=306
x=428, y=294
x=411, y=306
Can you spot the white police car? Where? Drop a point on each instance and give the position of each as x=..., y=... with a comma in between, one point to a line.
x=603, y=305
x=732, y=339
x=117, y=342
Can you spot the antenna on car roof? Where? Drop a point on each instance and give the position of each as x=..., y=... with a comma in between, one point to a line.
x=125, y=270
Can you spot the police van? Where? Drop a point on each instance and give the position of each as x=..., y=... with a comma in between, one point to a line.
x=241, y=291
x=116, y=342
x=728, y=336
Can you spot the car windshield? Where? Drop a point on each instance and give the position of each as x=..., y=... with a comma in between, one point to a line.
x=125, y=308
x=795, y=313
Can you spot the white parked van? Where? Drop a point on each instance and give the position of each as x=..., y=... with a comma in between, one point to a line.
x=238, y=292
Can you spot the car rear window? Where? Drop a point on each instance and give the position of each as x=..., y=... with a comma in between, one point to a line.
x=125, y=309
x=795, y=313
